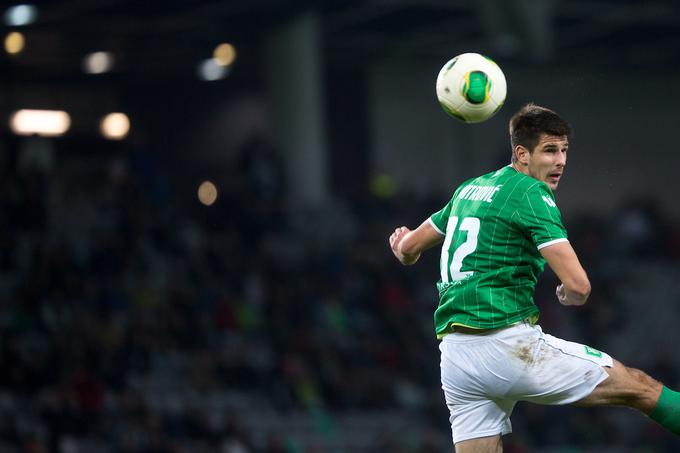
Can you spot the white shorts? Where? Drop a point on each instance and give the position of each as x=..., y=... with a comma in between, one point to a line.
x=484, y=375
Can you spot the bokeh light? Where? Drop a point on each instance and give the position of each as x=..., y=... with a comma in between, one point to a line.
x=98, y=62
x=383, y=186
x=14, y=42
x=115, y=126
x=46, y=123
x=209, y=70
x=18, y=15
x=207, y=193
x=224, y=54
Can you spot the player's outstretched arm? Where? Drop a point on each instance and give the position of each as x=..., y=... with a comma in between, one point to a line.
x=562, y=259
x=407, y=245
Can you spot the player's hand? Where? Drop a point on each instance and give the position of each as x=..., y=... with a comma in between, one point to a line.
x=395, y=241
x=396, y=237
x=571, y=298
x=562, y=294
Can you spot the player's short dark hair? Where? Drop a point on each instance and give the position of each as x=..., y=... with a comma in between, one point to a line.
x=531, y=121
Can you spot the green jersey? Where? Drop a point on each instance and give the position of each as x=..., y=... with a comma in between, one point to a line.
x=494, y=227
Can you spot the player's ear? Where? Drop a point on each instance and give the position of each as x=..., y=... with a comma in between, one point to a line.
x=521, y=154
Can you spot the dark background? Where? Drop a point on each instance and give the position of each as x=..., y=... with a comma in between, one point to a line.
x=135, y=319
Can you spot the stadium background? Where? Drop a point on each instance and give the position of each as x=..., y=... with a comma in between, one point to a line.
x=137, y=319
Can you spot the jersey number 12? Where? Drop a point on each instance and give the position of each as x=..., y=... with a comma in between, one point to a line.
x=451, y=272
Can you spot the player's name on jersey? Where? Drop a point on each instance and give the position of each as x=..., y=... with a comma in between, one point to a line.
x=479, y=193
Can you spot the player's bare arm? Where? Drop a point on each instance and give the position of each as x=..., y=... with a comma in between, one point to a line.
x=575, y=286
x=407, y=245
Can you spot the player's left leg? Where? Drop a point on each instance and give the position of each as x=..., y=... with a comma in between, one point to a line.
x=476, y=371
x=633, y=388
x=491, y=444
x=625, y=387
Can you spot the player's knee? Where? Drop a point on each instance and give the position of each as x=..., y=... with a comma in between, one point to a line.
x=492, y=444
x=645, y=390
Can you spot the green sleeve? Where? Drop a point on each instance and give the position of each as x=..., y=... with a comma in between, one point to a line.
x=440, y=218
x=539, y=216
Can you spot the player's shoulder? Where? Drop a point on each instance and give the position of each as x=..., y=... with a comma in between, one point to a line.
x=462, y=185
x=528, y=184
x=513, y=183
x=510, y=179
x=525, y=190
x=536, y=191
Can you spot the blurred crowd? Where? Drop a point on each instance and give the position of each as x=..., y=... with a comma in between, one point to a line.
x=134, y=319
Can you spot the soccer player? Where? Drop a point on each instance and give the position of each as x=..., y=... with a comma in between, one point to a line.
x=498, y=231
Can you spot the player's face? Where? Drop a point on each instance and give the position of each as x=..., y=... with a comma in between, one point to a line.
x=546, y=163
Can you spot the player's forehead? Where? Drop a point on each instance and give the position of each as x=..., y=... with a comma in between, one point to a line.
x=550, y=141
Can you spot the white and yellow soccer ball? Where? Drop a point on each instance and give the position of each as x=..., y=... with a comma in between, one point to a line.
x=471, y=87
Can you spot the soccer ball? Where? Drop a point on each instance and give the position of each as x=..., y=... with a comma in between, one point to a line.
x=471, y=87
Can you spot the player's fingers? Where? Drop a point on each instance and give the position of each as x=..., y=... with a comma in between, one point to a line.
x=398, y=234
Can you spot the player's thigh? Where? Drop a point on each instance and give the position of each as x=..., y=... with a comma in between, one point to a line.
x=560, y=371
x=625, y=387
x=473, y=374
x=491, y=444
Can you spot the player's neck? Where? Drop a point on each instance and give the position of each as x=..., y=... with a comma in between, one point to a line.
x=520, y=168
